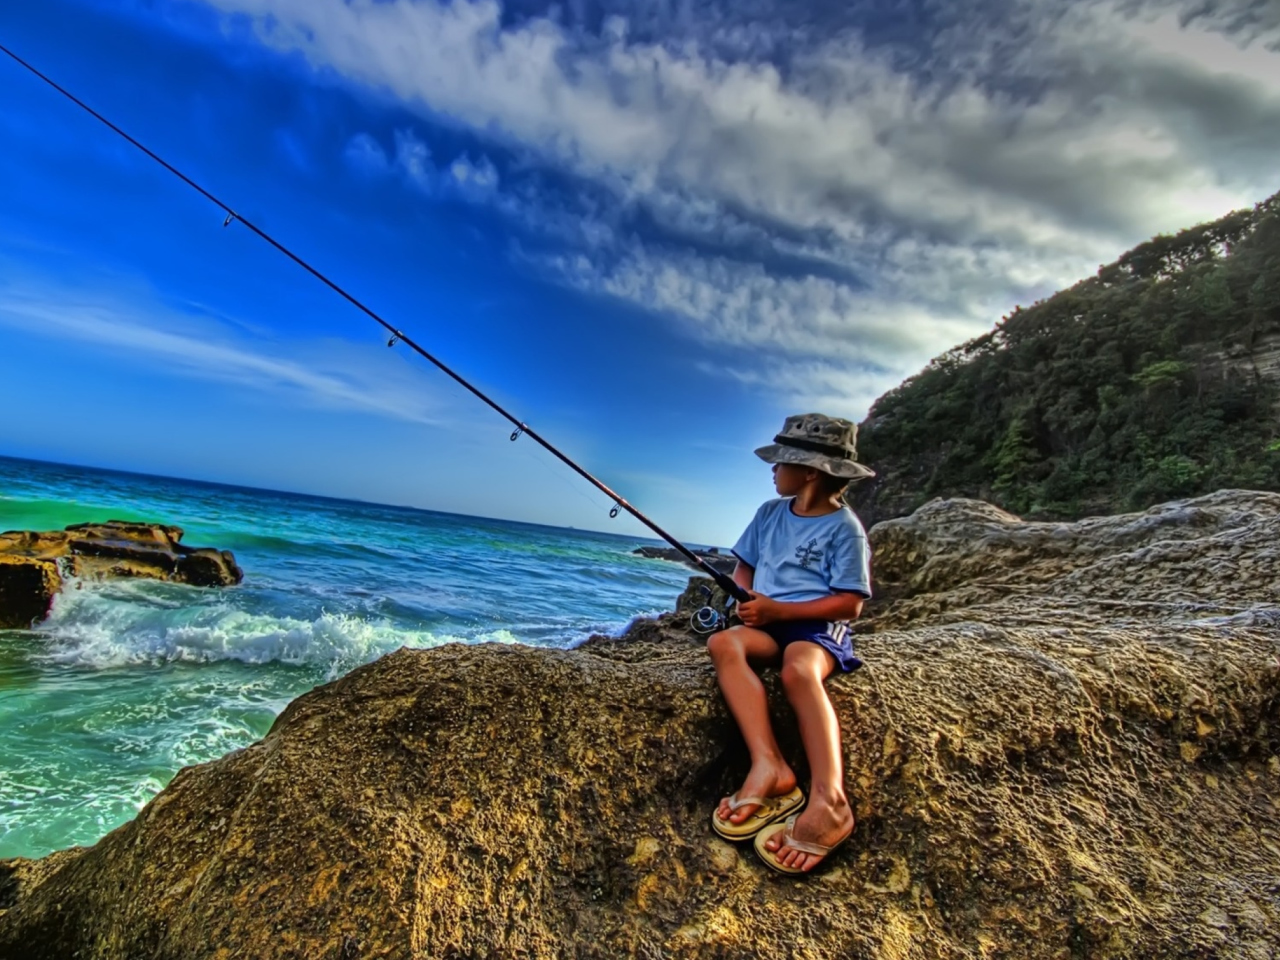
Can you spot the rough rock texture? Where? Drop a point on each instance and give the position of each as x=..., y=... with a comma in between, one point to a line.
x=1258, y=360
x=1064, y=745
x=32, y=565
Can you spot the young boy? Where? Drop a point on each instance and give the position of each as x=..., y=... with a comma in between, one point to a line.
x=805, y=560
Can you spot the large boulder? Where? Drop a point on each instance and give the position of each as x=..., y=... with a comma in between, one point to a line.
x=33, y=565
x=1218, y=550
x=1044, y=765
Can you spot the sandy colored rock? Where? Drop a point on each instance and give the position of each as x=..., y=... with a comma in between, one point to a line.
x=33, y=565
x=1017, y=751
x=1213, y=553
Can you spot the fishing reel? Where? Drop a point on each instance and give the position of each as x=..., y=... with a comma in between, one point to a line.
x=707, y=619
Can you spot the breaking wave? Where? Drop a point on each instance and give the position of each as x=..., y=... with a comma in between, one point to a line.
x=103, y=625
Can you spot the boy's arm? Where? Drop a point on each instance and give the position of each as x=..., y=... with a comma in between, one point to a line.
x=842, y=605
x=744, y=575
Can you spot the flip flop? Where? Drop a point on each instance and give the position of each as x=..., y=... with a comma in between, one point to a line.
x=771, y=809
x=771, y=859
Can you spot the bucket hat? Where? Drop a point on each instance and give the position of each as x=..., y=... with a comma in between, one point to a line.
x=813, y=440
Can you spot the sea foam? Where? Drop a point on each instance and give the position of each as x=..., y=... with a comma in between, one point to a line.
x=104, y=625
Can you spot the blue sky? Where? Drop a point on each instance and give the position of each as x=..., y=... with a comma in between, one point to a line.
x=651, y=230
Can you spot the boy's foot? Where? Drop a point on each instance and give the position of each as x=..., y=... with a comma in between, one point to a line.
x=764, y=780
x=821, y=823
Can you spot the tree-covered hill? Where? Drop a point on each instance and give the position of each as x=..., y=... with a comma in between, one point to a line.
x=1156, y=379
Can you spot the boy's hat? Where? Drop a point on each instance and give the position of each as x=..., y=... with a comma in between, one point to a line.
x=825, y=443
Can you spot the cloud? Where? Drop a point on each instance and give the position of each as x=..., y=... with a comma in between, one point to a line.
x=842, y=135
x=810, y=339
x=328, y=374
x=478, y=177
x=805, y=182
x=366, y=156
x=838, y=390
x=464, y=178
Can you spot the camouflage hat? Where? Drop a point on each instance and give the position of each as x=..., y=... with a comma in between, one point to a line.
x=824, y=443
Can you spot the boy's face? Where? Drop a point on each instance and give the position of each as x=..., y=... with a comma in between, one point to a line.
x=789, y=478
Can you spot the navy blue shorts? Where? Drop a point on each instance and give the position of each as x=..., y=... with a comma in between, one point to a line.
x=835, y=638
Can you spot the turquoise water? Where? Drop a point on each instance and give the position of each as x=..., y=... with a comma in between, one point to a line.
x=128, y=681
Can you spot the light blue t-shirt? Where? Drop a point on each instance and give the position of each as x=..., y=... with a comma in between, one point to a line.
x=805, y=558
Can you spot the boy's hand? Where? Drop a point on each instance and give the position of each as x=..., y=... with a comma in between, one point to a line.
x=758, y=611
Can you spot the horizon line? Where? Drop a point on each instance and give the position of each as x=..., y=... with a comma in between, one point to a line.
x=330, y=498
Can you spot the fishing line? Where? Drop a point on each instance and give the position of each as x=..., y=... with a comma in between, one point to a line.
x=398, y=336
x=532, y=454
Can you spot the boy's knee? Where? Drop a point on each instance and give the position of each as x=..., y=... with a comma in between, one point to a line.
x=724, y=646
x=796, y=677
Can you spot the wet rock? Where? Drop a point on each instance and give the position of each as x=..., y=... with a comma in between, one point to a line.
x=1015, y=755
x=33, y=565
x=27, y=588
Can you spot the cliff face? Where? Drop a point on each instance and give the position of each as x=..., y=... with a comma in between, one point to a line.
x=1256, y=359
x=1064, y=744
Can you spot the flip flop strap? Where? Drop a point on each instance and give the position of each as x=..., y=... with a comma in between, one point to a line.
x=736, y=804
x=817, y=849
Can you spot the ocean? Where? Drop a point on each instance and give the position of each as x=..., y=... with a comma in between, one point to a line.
x=128, y=681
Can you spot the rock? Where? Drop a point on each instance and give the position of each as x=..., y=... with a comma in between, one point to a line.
x=26, y=590
x=1257, y=358
x=1014, y=750
x=723, y=562
x=32, y=565
x=1188, y=554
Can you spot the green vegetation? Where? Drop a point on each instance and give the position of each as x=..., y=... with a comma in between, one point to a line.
x=1158, y=378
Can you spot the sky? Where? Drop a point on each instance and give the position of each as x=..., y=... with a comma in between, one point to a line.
x=650, y=230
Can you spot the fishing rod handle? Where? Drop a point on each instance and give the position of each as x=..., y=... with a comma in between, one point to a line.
x=730, y=586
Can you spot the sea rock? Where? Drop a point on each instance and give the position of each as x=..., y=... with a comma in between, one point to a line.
x=27, y=587
x=722, y=562
x=33, y=565
x=1063, y=744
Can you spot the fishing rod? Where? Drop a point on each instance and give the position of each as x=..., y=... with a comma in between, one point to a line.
x=398, y=336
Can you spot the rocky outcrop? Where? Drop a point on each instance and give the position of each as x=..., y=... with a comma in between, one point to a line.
x=1209, y=553
x=723, y=562
x=1064, y=744
x=33, y=565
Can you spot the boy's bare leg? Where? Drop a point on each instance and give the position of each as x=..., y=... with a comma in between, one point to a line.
x=828, y=818
x=733, y=651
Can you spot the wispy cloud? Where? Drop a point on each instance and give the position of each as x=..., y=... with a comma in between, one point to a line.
x=469, y=178
x=193, y=344
x=808, y=189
